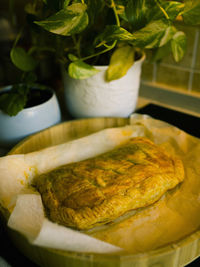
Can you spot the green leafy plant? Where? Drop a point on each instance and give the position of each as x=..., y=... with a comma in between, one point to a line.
x=83, y=33
x=20, y=96
x=14, y=100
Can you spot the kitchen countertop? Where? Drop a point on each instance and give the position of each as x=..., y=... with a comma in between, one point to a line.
x=11, y=257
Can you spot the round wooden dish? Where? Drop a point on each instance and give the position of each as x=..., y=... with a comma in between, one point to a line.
x=173, y=255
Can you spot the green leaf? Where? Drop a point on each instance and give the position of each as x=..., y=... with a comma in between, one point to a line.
x=136, y=13
x=112, y=33
x=72, y=57
x=66, y=3
x=121, y=60
x=161, y=52
x=155, y=34
x=81, y=70
x=71, y=20
x=14, y=101
x=178, y=45
x=30, y=8
x=22, y=60
x=121, y=6
x=191, y=14
x=172, y=9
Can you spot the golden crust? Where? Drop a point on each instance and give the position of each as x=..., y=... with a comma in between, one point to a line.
x=98, y=190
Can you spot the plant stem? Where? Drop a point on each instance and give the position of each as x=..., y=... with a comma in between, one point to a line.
x=101, y=52
x=115, y=12
x=108, y=48
x=162, y=9
x=37, y=48
x=76, y=44
x=18, y=37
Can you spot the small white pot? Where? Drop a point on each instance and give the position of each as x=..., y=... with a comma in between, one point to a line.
x=95, y=97
x=28, y=121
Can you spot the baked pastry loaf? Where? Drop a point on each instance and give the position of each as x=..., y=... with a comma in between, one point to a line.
x=100, y=189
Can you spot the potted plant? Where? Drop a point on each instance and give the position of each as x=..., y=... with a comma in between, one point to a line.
x=24, y=110
x=26, y=107
x=103, y=40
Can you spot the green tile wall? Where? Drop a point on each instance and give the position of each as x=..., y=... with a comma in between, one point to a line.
x=197, y=62
x=147, y=71
x=172, y=77
x=184, y=75
x=196, y=83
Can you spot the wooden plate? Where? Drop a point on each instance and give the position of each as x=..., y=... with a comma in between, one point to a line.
x=173, y=255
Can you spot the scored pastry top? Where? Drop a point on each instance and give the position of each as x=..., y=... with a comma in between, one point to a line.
x=100, y=189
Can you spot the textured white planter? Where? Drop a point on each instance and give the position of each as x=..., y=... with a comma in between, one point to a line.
x=94, y=97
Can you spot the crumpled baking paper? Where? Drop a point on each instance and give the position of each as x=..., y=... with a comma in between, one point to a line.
x=174, y=216
x=25, y=205
x=177, y=213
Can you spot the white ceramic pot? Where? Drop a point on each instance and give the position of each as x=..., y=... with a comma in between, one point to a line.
x=95, y=97
x=29, y=120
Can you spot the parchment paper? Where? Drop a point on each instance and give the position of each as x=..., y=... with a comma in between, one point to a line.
x=174, y=216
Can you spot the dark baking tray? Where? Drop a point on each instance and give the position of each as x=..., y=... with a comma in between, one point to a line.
x=185, y=122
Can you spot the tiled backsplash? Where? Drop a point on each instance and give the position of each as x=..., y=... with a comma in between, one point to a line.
x=185, y=75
